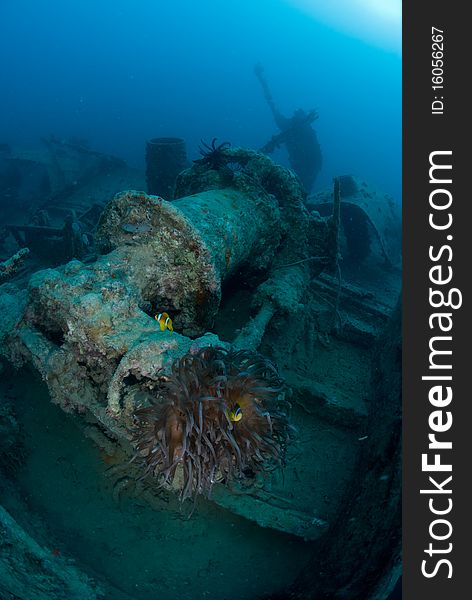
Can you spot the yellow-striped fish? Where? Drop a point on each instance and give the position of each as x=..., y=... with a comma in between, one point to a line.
x=236, y=414
x=165, y=322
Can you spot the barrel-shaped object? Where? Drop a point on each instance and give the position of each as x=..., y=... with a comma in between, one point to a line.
x=166, y=157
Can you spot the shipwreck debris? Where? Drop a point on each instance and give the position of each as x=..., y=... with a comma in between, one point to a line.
x=371, y=221
x=9, y=267
x=89, y=329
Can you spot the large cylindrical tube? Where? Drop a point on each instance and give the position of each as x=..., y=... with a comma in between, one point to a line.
x=166, y=157
x=178, y=254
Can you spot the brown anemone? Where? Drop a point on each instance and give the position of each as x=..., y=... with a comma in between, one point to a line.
x=189, y=426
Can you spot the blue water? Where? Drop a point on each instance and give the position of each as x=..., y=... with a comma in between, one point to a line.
x=117, y=72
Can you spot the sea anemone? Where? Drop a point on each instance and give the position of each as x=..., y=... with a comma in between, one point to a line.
x=189, y=435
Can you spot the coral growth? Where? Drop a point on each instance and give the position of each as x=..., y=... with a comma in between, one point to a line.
x=188, y=435
x=10, y=266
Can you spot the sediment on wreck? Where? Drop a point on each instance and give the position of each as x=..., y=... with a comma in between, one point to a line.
x=372, y=512
x=28, y=570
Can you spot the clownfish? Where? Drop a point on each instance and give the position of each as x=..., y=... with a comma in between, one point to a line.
x=236, y=414
x=165, y=322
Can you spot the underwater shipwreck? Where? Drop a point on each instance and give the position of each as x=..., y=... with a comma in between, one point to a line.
x=235, y=344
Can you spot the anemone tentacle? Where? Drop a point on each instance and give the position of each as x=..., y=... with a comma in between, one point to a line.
x=188, y=424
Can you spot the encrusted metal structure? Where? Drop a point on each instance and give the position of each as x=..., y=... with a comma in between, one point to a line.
x=90, y=330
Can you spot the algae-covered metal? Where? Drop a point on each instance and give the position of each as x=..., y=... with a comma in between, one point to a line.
x=89, y=329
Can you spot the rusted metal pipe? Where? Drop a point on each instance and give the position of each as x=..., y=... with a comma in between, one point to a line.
x=177, y=255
